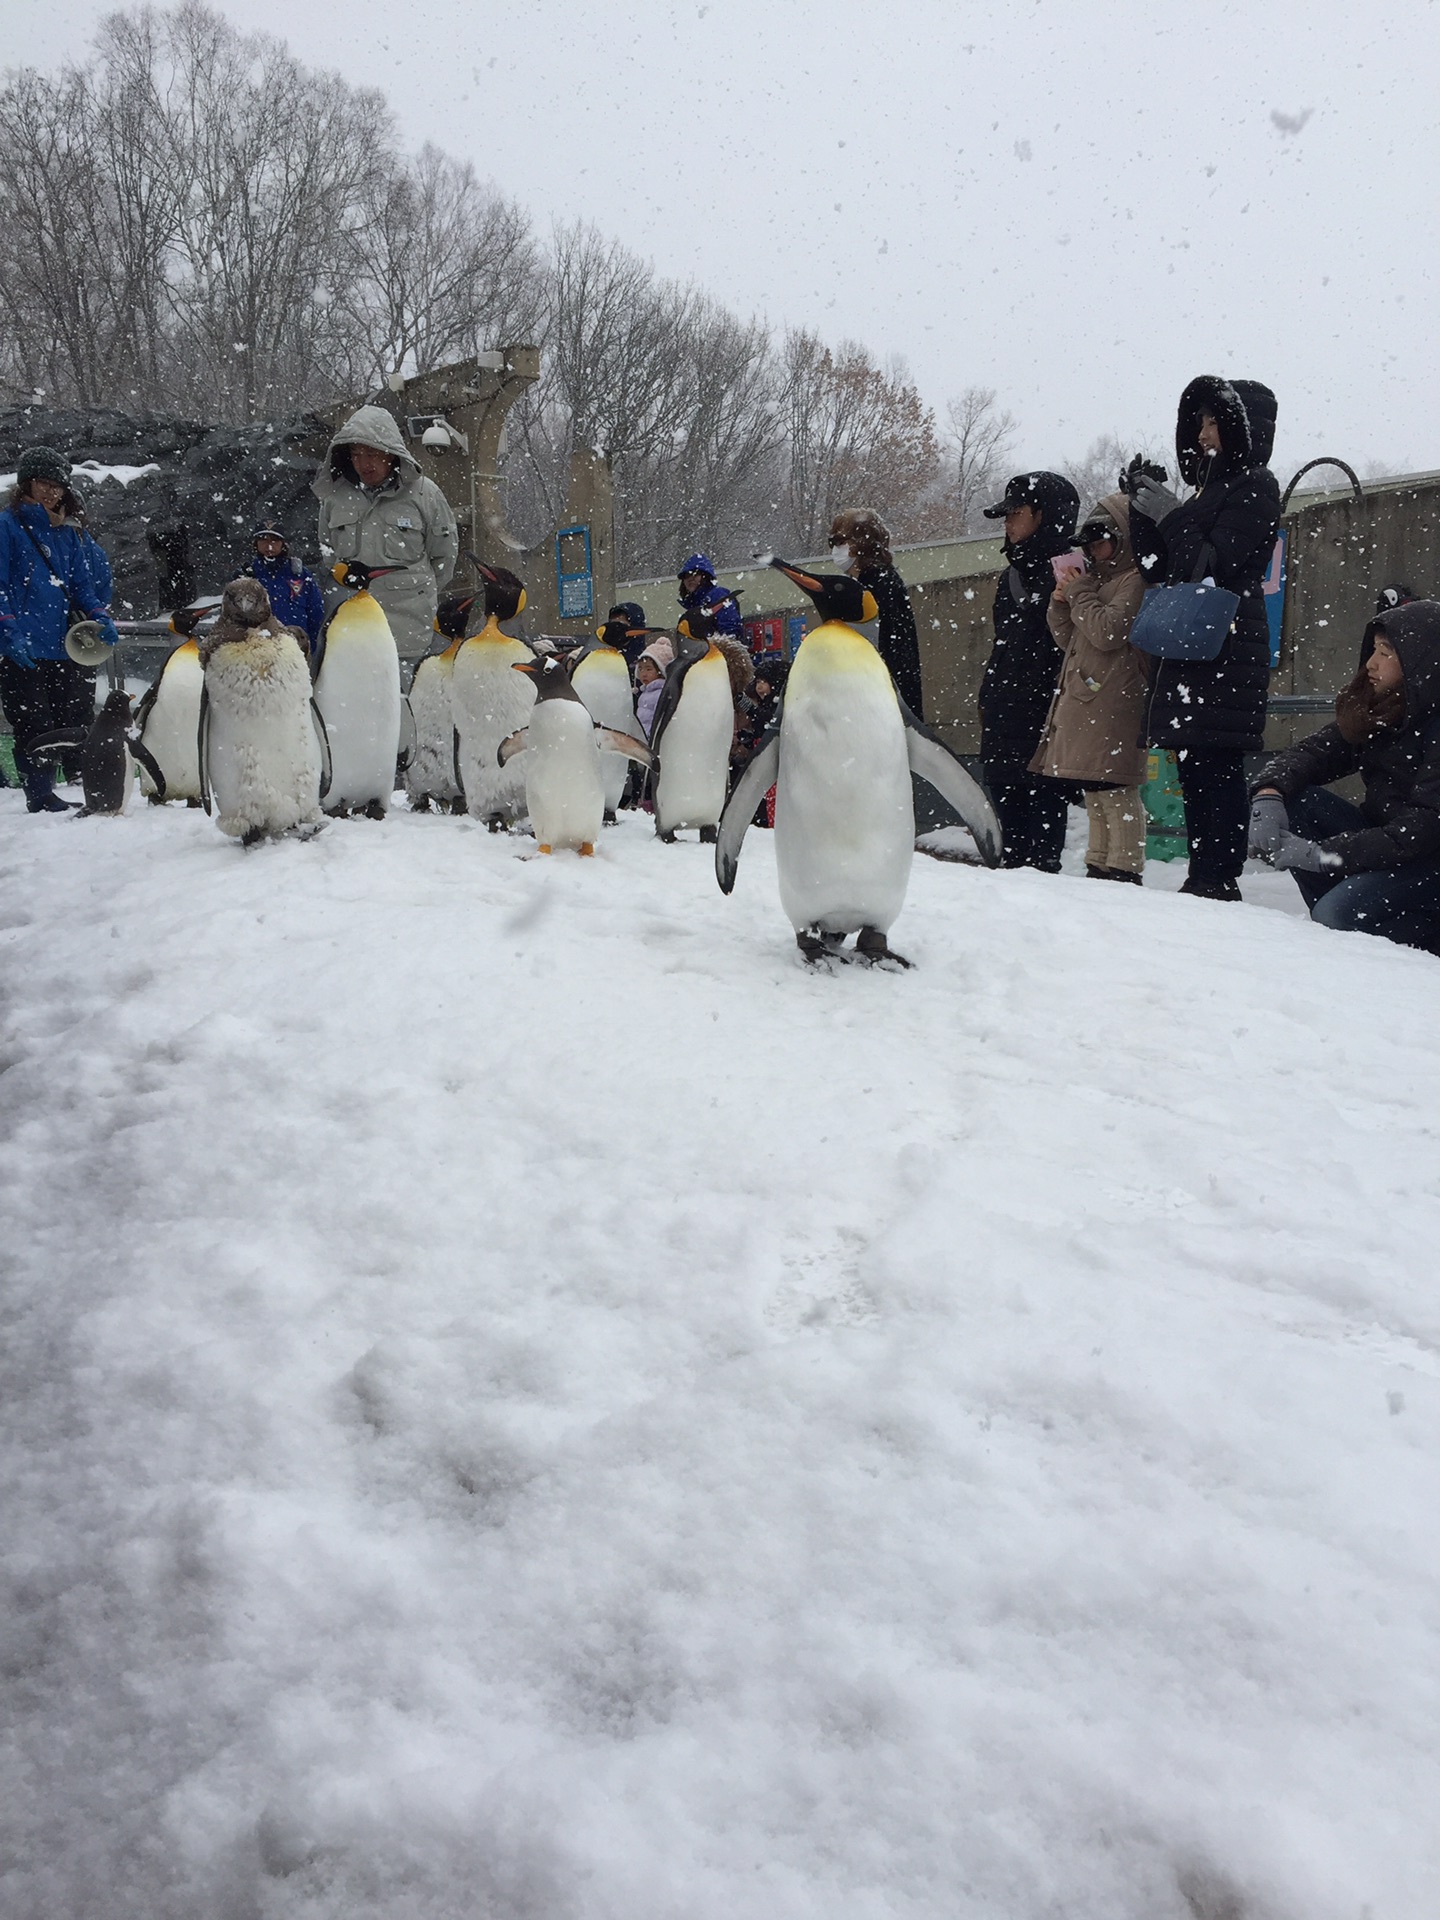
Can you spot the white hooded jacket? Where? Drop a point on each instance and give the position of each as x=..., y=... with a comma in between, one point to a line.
x=405, y=524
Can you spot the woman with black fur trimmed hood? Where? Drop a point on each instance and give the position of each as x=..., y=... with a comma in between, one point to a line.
x=1211, y=713
x=1374, y=868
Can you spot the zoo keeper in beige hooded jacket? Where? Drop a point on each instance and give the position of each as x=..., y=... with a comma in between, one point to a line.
x=1092, y=733
x=404, y=523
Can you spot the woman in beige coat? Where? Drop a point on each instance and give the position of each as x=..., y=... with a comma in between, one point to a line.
x=1096, y=716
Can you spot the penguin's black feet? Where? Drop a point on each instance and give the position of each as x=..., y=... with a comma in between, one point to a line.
x=457, y=805
x=668, y=838
x=374, y=809
x=708, y=836
x=494, y=823
x=609, y=818
x=421, y=805
x=872, y=945
x=158, y=800
x=193, y=802
x=820, y=946
x=253, y=836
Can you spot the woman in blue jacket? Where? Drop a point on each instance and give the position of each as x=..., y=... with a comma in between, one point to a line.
x=52, y=573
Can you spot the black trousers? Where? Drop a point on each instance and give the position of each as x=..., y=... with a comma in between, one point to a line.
x=1031, y=810
x=41, y=699
x=1217, y=810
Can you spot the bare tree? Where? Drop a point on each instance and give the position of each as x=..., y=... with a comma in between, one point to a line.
x=855, y=435
x=1098, y=471
x=976, y=451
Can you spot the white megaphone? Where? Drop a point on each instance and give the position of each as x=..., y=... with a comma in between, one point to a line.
x=86, y=644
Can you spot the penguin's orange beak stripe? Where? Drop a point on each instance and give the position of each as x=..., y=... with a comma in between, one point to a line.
x=524, y=666
x=806, y=582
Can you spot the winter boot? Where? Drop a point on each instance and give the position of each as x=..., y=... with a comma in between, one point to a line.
x=1202, y=889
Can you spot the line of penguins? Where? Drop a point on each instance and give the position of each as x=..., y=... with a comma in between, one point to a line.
x=243, y=723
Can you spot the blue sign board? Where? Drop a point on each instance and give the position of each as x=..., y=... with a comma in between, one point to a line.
x=574, y=576
x=796, y=627
x=1275, y=597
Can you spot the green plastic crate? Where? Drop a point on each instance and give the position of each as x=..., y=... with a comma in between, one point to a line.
x=1165, y=810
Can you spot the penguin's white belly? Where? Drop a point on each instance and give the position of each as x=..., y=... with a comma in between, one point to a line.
x=172, y=728
x=564, y=787
x=263, y=758
x=358, y=694
x=603, y=683
x=695, y=750
x=431, y=773
x=489, y=702
x=844, y=805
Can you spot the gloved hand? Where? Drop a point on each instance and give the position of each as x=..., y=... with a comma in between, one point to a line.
x=1269, y=825
x=1294, y=852
x=109, y=632
x=15, y=647
x=1152, y=498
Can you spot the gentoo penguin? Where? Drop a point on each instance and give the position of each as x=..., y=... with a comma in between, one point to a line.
x=562, y=752
x=841, y=758
x=600, y=675
x=430, y=776
x=489, y=703
x=357, y=689
x=693, y=734
x=264, y=759
x=106, y=751
x=167, y=719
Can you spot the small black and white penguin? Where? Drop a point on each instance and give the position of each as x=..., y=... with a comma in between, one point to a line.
x=357, y=689
x=105, y=751
x=264, y=756
x=840, y=759
x=693, y=733
x=563, y=749
x=167, y=719
x=600, y=674
x=430, y=776
x=489, y=703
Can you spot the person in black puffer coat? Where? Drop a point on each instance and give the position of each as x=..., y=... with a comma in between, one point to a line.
x=1374, y=868
x=1211, y=713
x=1039, y=511
x=860, y=543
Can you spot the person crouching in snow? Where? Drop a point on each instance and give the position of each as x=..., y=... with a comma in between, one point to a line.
x=1099, y=705
x=650, y=680
x=1374, y=868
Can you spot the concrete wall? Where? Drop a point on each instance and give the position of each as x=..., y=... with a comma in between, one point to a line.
x=1341, y=551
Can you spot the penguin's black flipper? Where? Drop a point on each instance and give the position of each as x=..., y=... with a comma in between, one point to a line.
x=409, y=735
x=749, y=790
x=935, y=763
x=511, y=745
x=614, y=742
x=686, y=655
x=322, y=734
x=455, y=760
x=58, y=740
x=202, y=744
x=150, y=696
x=139, y=751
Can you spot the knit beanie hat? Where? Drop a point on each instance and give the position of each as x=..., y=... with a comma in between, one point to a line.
x=661, y=652
x=42, y=463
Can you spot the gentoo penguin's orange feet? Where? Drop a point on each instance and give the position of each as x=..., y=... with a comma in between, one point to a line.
x=544, y=848
x=587, y=847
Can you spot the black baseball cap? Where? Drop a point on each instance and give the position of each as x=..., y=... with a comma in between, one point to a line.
x=1023, y=490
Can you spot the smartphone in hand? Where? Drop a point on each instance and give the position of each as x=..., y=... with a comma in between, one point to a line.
x=1067, y=565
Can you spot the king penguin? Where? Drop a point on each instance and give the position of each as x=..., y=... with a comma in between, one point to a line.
x=600, y=675
x=489, y=703
x=167, y=720
x=840, y=759
x=693, y=733
x=264, y=758
x=357, y=689
x=563, y=749
x=430, y=776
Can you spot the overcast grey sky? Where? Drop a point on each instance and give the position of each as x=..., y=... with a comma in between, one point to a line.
x=1080, y=205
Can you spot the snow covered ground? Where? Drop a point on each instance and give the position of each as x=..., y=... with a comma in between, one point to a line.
x=522, y=1403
